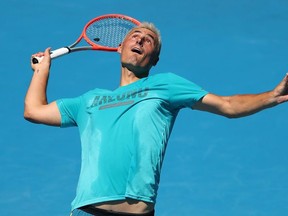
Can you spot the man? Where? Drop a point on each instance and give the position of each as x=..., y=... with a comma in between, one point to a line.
x=124, y=132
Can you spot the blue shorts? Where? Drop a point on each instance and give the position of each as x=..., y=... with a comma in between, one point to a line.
x=86, y=211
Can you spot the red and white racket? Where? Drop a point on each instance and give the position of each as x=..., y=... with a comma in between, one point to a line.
x=101, y=33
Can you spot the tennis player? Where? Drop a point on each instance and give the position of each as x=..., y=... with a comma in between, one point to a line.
x=124, y=132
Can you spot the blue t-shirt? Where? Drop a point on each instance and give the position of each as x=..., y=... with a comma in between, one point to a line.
x=124, y=135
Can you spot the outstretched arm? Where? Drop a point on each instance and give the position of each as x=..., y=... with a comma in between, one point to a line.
x=37, y=109
x=243, y=105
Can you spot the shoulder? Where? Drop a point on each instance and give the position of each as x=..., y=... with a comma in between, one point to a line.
x=167, y=77
x=95, y=91
x=171, y=79
x=83, y=98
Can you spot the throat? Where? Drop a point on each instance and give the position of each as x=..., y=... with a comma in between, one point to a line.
x=131, y=74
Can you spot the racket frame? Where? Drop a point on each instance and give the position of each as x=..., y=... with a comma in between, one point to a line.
x=93, y=46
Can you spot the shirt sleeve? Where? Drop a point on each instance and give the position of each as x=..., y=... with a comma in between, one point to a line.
x=69, y=109
x=184, y=93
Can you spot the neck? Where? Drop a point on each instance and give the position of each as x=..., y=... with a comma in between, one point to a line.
x=128, y=76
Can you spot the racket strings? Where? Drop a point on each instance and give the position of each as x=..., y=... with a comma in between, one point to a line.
x=109, y=32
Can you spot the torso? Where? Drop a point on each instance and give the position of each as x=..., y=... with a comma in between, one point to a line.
x=152, y=103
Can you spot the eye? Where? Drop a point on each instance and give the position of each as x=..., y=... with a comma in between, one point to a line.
x=148, y=40
x=134, y=36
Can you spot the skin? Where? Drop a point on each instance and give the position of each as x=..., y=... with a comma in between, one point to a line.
x=138, y=56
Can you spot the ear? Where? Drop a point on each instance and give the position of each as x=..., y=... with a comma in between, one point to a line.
x=119, y=49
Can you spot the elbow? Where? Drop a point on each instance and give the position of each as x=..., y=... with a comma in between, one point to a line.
x=234, y=115
x=28, y=115
x=231, y=113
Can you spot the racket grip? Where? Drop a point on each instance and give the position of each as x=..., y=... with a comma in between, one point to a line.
x=59, y=52
x=53, y=54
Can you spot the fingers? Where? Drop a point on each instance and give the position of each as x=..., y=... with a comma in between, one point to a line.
x=285, y=82
x=47, y=52
x=40, y=56
x=286, y=77
x=41, y=59
x=282, y=90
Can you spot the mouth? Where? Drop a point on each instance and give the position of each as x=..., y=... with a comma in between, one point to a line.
x=137, y=50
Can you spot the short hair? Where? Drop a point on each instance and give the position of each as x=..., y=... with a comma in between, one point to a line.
x=151, y=27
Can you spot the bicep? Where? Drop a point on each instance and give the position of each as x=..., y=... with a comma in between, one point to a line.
x=45, y=114
x=214, y=104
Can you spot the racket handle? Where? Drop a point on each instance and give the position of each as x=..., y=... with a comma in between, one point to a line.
x=53, y=54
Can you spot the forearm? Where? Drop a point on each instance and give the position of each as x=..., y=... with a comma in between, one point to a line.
x=36, y=94
x=243, y=105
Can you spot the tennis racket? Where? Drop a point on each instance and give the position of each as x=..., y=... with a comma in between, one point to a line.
x=101, y=33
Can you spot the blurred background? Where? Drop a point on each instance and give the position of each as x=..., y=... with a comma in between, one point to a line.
x=214, y=166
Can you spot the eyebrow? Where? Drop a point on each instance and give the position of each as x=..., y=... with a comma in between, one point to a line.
x=138, y=31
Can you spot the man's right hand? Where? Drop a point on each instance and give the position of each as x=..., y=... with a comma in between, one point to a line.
x=44, y=60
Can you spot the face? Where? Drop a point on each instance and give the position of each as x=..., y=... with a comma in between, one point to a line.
x=138, y=50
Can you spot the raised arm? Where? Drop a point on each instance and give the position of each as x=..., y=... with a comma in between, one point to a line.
x=243, y=105
x=37, y=109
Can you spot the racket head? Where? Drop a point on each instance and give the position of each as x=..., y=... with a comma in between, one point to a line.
x=107, y=32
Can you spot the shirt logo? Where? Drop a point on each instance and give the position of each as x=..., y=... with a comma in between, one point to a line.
x=126, y=98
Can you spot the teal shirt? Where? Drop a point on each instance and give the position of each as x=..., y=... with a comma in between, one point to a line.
x=124, y=134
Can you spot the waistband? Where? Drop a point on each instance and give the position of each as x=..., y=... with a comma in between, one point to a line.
x=101, y=212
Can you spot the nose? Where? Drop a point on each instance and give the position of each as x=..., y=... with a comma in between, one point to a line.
x=140, y=40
